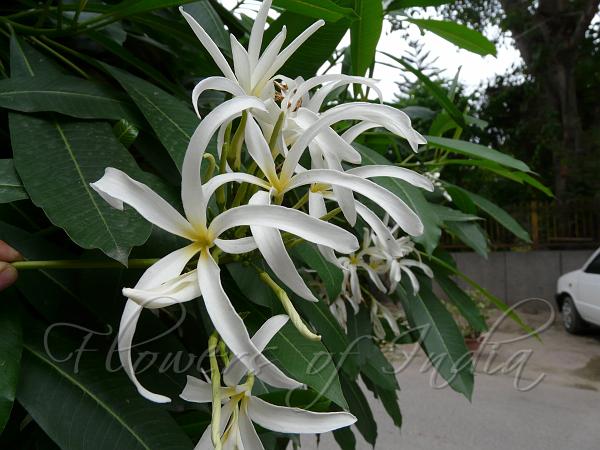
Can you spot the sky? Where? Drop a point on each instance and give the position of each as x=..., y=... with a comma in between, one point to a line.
x=475, y=69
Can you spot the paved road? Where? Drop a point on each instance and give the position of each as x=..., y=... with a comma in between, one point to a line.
x=549, y=417
x=562, y=412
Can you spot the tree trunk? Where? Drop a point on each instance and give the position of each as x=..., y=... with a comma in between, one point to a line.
x=561, y=80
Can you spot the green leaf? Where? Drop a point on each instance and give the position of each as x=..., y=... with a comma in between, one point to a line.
x=471, y=234
x=11, y=188
x=440, y=338
x=359, y=406
x=499, y=214
x=85, y=406
x=315, y=51
x=172, y=120
x=402, y=4
x=330, y=274
x=25, y=61
x=345, y=438
x=58, y=181
x=125, y=133
x=458, y=34
x=510, y=312
x=317, y=9
x=11, y=345
x=67, y=95
x=207, y=17
x=411, y=195
x=389, y=400
x=308, y=362
x=134, y=7
x=331, y=332
x=364, y=34
x=476, y=150
x=373, y=364
x=435, y=89
x=247, y=280
x=131, y=60
x=452, y=215
x=463, y=302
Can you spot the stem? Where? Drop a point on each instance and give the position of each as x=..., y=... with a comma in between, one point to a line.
x=236, y=143
x=220, y=195
x=83, y=264
x=215, y=378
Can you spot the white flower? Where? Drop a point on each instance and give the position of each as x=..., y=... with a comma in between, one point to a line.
x=241, y=408
x=251, y=70
x=397, y=261
x=162, y=285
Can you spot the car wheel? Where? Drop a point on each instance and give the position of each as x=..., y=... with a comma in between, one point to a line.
x=572, y=321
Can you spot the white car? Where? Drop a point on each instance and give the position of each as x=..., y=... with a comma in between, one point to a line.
x=578, y=295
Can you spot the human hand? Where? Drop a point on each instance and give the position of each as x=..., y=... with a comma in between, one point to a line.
x=8, y=274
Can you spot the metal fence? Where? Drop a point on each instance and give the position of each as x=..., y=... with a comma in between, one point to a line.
x=572, y=225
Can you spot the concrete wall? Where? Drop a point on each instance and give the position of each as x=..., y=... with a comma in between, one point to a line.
x=514, y=276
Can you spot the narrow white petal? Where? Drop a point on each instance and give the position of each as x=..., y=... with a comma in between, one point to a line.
x=259, y=149
x=386, y=238
x=412, y=263
x=295, y=420
x=390, y=118
x=231, y=327
x=194, y=201
x=129, y=320
x=410, y=176
x=196, y=390
x=162, y=271
x=241, y=64
x=272, y=248
x=256, y=35
x=267, y=59
x=290, y=220
x=250, y=439
x=338, y=80
x=236, y=246
x=205, y=442
x=116, y=187
x=317, y=209
x=219, y=180
x=290, y=49
x=393, y=205
x=356, y=130
x=413, y=279
x=209, y=45
x=167, y=268
x=236, y=370
x=177, y=290
x=215, y=84
x=343, y=196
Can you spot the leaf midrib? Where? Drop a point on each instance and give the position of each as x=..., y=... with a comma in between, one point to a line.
x=84, y=182
x=70, y=93
x=89, y=393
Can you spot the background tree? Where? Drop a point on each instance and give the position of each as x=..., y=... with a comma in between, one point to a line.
x=557, y=41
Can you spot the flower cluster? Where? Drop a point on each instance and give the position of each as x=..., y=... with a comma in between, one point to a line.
x=384, y=258
x=266, y=170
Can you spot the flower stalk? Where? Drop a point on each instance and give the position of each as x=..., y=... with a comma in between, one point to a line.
x=289, y=307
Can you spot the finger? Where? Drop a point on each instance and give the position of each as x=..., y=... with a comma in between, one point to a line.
x=7, y=253
x=8, y=275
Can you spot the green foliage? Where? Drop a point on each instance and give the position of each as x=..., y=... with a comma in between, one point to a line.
x=87, y=85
